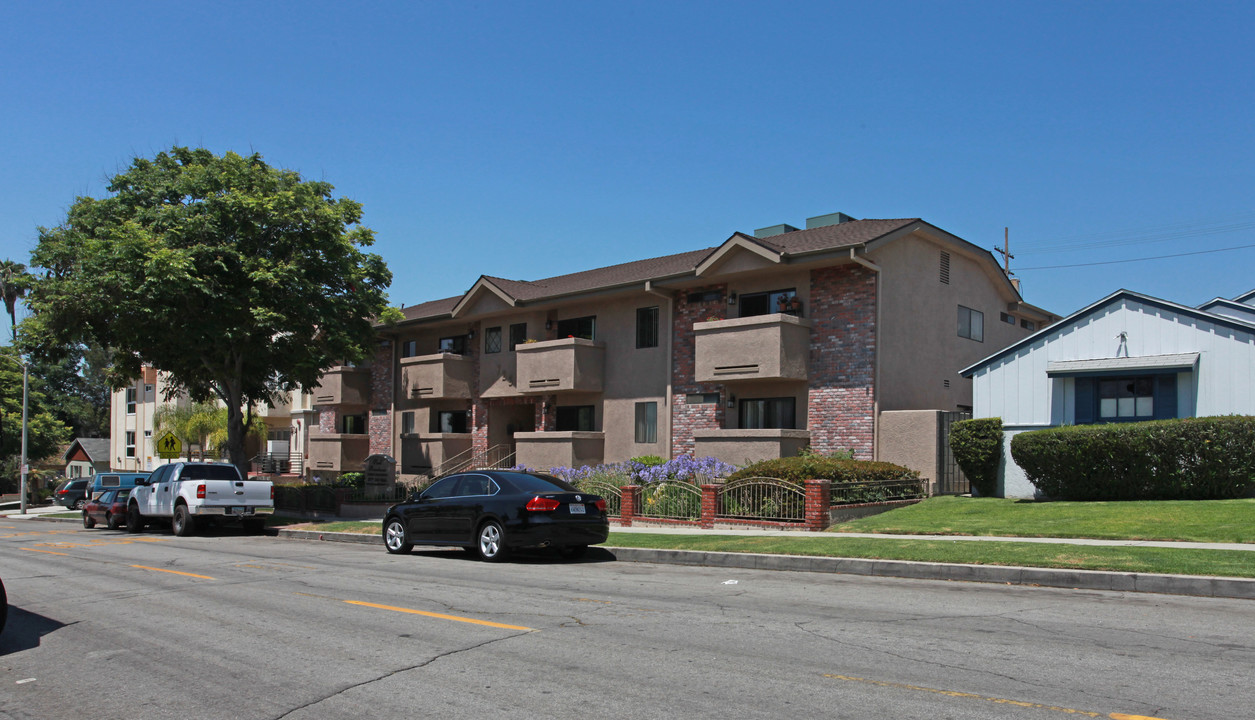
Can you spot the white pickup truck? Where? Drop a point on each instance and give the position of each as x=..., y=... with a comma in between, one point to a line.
x=186, y=494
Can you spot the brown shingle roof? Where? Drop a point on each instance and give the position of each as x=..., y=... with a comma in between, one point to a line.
x=847, y=234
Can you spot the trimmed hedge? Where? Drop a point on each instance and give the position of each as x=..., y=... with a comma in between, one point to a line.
x=818, y=467
x=1188, y=459
x=977, y=448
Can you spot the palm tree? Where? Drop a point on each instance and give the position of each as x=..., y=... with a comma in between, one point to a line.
x=14, y=282
x=203, y=424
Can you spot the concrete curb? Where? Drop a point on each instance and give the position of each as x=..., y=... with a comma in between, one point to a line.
x=1196, y=585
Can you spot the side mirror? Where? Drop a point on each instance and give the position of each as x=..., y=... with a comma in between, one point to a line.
x=142, y=481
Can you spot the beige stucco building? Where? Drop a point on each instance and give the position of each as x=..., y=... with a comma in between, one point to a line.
x=758, y=347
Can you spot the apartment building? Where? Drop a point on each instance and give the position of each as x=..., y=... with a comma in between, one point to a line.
x=132, y=425
x=756, y=348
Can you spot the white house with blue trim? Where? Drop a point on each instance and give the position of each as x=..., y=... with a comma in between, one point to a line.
x=1126, y=358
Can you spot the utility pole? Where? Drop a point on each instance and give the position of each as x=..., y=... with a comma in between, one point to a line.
x=1005, y=251
x=25, y=376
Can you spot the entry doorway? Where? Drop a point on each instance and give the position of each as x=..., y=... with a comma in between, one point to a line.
x=505, y=420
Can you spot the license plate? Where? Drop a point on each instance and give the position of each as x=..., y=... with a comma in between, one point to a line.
x=577, y=508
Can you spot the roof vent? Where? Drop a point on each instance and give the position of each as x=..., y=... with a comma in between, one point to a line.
x=774, y=230
x=825, y=220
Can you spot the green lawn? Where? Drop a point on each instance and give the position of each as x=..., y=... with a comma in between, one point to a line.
x=1195, y=520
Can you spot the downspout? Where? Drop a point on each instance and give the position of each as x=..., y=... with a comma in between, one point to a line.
x=876, y=361
x=649, y=288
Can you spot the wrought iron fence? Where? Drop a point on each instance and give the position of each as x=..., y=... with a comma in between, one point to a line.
x=674, y=500
x=610, y=492
x=761, y=498
x=869, y=492
x=390, y=494
x=303, y=498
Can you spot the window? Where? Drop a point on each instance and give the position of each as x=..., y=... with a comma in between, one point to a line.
x=455, y=345
x=130, y=443
x=407, y=422
x=765, y=303
x=1008, y=319
x=704, y=296
x=492, y=340
x=450, y=421
x=701, y=398
x=575, y=417
x=409, y=348
x=130, y=404
x=353, y=424
x=442, y=489
x=580, y=327
x=646, y=422
x=764, y=413
x=1028, y=324
x=518, y=335
x=647, y=327
x=971, y=324
x=1126, y=398
x=148, y=390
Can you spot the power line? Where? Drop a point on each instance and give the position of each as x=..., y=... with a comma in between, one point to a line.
x=1134, y=237
x=1116, y=262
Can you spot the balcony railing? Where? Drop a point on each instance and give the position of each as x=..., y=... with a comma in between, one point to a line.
x=564, y=365
x=278, y=464
x=343, y=385
x=544, y=450
x=738, y=446
x=336, y=452
x=765, y=347
x=436, y=377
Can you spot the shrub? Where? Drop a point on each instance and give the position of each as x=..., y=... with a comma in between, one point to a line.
x=838, y=470
x=642, y=471
x=977, y=448
x=351, y=480
x=1187, y=459
x=647, y=460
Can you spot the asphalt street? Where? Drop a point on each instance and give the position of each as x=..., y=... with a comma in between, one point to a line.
x=109, y=625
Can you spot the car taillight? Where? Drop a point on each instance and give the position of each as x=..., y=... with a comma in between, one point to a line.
x=540, y=504
x=272, y=493
x=62, y=492
x=200, y=491
x=600, y=505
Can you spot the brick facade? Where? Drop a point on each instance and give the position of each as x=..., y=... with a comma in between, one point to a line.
x=842, y=395
x=686, y=418
x=379, y=417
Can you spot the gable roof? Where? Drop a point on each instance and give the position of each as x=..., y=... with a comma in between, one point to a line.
x=777, y=248
x=1111, y=299
x=96, y=449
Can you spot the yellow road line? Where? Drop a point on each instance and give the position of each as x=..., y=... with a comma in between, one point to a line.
x=174, y=572
x=43, y=551
x=1000, y=701
x=454, y=618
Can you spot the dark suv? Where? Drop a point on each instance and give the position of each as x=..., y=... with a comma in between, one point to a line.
x=73, y=493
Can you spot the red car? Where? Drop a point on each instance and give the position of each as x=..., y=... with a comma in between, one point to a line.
x=109, y=508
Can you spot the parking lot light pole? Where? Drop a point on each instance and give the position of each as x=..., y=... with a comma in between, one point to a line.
x=25, y=382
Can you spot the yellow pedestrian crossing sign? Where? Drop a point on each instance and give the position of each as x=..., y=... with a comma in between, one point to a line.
x=169, y=447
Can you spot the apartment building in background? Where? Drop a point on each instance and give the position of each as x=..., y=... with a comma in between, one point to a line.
x=843, y=335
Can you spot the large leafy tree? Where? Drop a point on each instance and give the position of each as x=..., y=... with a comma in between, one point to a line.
x=240, y=280
x=46, y=433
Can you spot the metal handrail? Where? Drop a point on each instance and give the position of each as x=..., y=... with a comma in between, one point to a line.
x=494, y=458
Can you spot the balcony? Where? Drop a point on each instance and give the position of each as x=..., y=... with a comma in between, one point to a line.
x=764, y=347
x=566, y=365
x=737, y=447
x=343, y=385
x=443, y=376
x=544, y=450
x=334, y=452
x=420, y=452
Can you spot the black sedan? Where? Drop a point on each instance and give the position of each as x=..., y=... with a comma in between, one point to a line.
x=490, y=512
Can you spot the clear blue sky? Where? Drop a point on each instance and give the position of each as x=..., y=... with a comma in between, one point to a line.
x=531, y=139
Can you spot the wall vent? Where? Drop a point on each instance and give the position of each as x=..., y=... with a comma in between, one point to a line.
x=945, y=268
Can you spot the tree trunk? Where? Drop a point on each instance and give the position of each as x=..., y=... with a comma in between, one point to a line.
x=235, y=430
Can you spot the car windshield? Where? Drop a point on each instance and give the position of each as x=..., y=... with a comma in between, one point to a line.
x=527, y=483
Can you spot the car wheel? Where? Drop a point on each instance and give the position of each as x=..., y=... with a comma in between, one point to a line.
x=134, y=521
x=491, y=542
x=4, y=606
x=87, y=521
x=113, y=522
x=183, y=523
x=78, y=504
x=573, y=552
x=394, y=537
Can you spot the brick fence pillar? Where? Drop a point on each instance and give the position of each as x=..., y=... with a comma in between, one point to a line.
x=627, y=504
x=818, y=500
x=710, y=500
